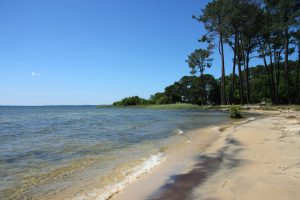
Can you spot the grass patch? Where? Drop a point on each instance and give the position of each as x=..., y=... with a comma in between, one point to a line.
x=177, y=106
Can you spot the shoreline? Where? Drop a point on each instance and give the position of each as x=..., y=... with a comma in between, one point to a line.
x=228, y=162
x=124, y=175
x=179, y=159
x=187, y=106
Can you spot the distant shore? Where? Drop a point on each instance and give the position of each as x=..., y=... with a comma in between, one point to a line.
x=186, y=106
x=248, y=159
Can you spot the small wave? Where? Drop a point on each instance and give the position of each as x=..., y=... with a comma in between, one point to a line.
x=131, y=175
x=178, y=131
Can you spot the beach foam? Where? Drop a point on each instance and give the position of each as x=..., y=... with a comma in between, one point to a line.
x=130, y=176
x=178, y=131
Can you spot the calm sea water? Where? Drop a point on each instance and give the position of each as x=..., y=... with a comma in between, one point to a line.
x=44, y=150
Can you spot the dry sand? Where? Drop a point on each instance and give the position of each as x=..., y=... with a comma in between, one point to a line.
x=254, y=159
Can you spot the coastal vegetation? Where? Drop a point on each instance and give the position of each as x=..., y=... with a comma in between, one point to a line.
x=131, y=101
x=235, y=112
x=189, y=89
x=264, y=30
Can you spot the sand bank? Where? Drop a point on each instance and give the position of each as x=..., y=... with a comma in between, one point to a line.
x=253, y=159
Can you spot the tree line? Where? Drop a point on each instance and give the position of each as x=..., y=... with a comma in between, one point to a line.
x=253, y=29
x=207, y=89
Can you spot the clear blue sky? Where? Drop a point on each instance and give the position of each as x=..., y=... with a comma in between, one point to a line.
x=55, y=52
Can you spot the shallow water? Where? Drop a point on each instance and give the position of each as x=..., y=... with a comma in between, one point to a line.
x=46, y=150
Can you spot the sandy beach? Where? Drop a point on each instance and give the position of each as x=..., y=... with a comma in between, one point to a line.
x=256, y=158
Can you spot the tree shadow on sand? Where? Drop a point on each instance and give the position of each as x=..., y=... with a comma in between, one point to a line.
x=180, y=186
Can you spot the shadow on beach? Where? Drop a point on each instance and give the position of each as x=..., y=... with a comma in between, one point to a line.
x=181, y=186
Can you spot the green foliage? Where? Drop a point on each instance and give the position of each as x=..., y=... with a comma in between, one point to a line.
x=260, y=87
x=131, y=101
x=159, y=98
x=235, y=112
x=199, y=60
x=194, y=90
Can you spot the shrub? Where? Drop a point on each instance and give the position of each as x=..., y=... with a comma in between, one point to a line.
x=235, y=112
x=131, y=101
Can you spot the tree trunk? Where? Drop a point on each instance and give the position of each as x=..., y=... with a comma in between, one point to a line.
x=278, y=78
x=241, y=82
x=232, y=86
x=247, y=77
x=276, y=70
x=276, y=75
x=270, y=80
x=298, y=71
x=286, y=59
x=273, y=79
x=231, y=100
x=204, y=102
x=275, y=82
x=268, y=72
x=223, y=71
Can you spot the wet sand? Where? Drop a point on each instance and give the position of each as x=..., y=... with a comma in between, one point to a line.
x=254, y=159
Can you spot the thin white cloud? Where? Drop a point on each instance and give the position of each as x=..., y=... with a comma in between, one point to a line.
x=34, y=74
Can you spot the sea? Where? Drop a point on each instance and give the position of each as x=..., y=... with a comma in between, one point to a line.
x=85, y=151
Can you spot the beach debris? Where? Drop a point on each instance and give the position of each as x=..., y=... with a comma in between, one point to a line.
x=224, y=183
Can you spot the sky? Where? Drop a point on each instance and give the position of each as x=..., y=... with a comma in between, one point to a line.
x=91, y=52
